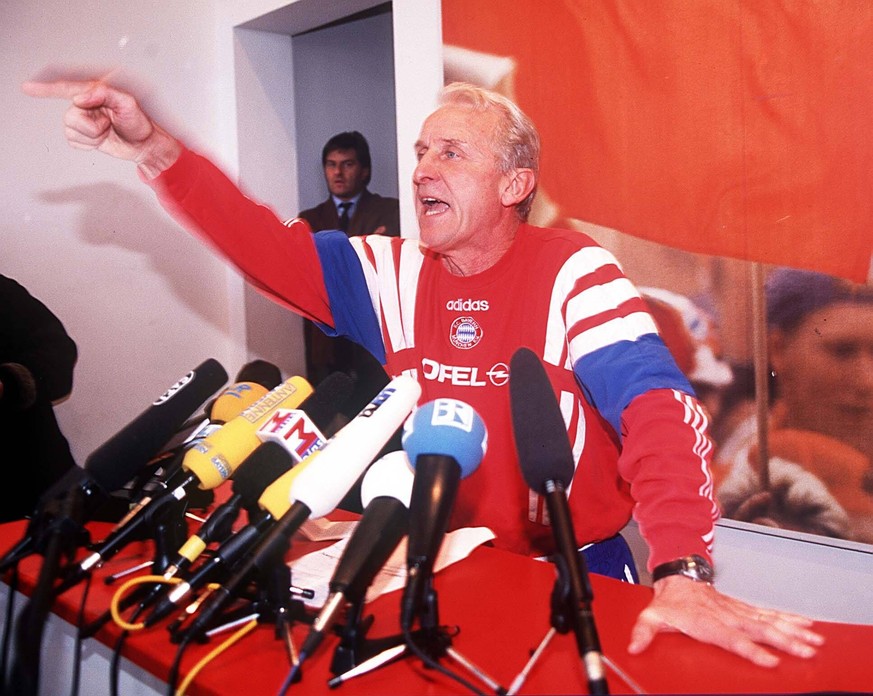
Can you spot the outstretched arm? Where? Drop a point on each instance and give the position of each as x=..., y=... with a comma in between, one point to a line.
x=104, y=118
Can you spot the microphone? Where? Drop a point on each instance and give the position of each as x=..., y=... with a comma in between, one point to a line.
x=546, y=461
x=321, y=485
x=207, y=464
x=385, y=494
x=272, y=503
x=445, y=440
x=213, y=459
x=275, y=500
x=253, y=381
x=260, y=469
x=116, y=461
x=17, y=387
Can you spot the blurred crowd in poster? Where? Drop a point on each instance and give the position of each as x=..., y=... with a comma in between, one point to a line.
x=721, y=150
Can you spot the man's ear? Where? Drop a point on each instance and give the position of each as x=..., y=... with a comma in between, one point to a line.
x=519, y=183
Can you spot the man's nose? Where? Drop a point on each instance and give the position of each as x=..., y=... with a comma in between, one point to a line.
x=424, y=170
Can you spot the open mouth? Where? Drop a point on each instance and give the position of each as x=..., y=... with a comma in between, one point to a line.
x=433, y=206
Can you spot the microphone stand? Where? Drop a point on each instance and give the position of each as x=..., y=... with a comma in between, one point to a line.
x=164, y=524
x=430, y=642
x=562, y=617
x=276, y=600
x=168, y=531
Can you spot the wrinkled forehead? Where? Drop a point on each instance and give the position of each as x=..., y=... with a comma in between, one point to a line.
x=461, y=123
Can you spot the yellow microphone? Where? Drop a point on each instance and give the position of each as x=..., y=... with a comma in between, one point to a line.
x=214, y=458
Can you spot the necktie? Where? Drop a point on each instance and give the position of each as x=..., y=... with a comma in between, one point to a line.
x=344, y=216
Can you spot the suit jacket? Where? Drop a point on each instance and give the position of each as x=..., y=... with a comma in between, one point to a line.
x=371, y=213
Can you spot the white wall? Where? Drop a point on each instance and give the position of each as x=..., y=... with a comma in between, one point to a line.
x=144, y=302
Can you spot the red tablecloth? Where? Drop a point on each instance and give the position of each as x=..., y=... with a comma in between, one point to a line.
x=500, y=603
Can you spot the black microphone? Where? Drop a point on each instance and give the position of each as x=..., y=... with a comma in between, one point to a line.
x=445, y=440
x=385, y=494
x=546, y=461
x=205, y=465
x=253, y=381
x=325, y=479
x=105, y=470
x=258, y=470
x=116, y=461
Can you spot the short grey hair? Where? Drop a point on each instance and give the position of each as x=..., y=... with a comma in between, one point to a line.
x=517, y=140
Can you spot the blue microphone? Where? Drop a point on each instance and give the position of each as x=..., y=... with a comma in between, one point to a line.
x=445, y=440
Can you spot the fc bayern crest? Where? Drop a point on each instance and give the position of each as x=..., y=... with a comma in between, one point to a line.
x=465, y=333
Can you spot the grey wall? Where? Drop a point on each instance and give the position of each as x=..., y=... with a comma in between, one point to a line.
x=344, y=80
x=825, y=579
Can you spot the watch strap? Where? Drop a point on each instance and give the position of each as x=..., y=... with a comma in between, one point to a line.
x=694, y=567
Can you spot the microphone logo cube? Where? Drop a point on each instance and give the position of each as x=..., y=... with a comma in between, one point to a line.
x=294, y=430
x=453, y=413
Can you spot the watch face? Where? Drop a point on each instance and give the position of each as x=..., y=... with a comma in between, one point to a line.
x=697, y=568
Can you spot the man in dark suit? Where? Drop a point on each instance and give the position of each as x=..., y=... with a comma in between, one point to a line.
x=346, y=161
x=352, y=208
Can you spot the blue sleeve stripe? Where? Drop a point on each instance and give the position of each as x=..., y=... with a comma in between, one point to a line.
x=612, y=376
x=347, y=292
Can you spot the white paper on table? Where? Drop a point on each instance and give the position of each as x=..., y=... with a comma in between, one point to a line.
x=314, y=570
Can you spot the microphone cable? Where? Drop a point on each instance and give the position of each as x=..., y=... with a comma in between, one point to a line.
x=173, y=674
x=232, y=640
x=126, y=626
x=115, y=663
x=7, y=627
x=77, y=643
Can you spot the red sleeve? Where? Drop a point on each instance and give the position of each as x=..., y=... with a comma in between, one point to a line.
x=666, y=457
x=279, y=260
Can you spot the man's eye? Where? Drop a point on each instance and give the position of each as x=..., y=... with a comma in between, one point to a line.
x=451, y=154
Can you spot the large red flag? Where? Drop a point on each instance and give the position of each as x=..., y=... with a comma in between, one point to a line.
x=728, y=127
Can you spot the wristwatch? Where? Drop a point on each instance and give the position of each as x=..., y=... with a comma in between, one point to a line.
x=695, y=567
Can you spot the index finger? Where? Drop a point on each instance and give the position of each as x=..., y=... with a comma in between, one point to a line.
x=64, y=89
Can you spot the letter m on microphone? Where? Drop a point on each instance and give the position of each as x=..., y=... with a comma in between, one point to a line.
x=294, y=430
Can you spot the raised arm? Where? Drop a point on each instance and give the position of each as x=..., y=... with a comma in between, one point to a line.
x=105, y=118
